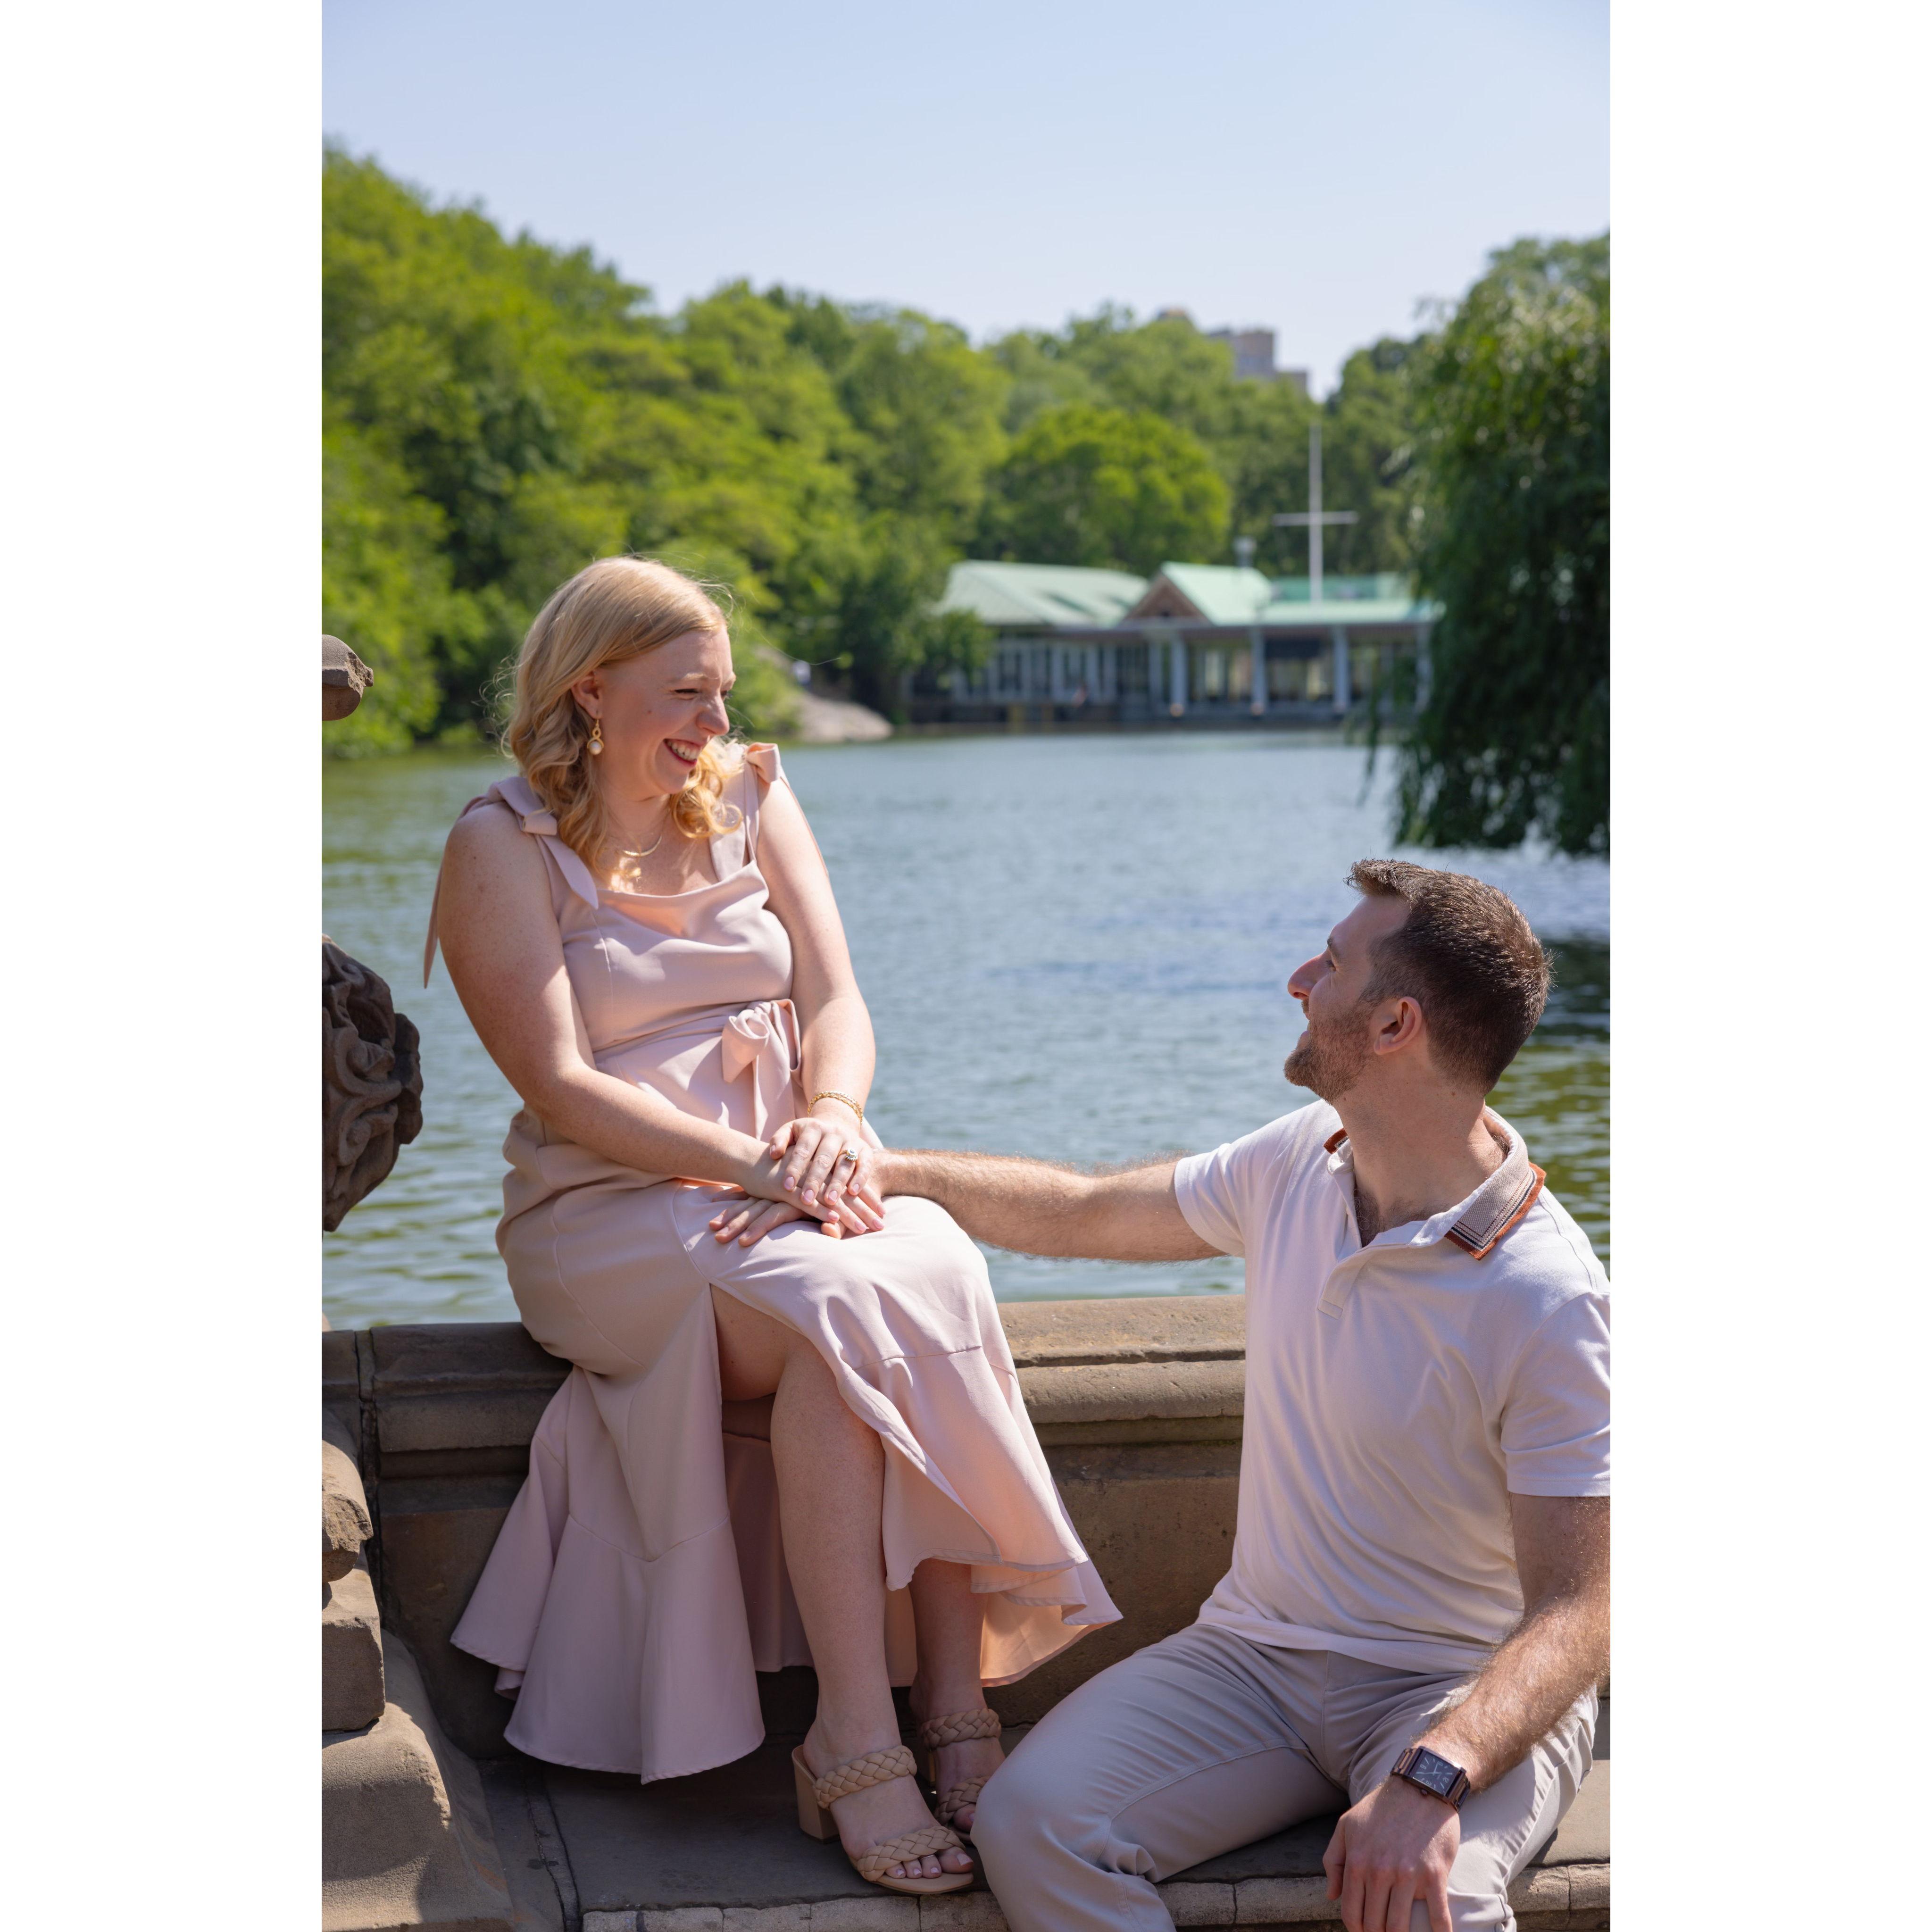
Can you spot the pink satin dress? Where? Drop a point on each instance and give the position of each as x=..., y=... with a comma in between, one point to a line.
x=639, y=1580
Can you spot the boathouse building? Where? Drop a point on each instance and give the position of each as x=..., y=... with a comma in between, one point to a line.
x=1207, y=643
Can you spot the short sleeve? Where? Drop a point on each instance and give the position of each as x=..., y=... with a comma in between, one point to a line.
x=1223, y=1195
x=1556, y=1414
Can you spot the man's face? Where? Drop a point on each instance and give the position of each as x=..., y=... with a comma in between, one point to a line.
x=1329, y=1057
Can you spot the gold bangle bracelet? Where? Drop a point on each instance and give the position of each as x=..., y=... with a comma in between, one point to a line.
x=829, y=1095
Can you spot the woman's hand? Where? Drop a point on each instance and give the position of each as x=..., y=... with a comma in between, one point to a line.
x=762, y=1179
x=825, y=1162
x=752, y=1218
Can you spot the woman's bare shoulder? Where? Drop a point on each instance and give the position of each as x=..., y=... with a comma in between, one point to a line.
x=489, y=838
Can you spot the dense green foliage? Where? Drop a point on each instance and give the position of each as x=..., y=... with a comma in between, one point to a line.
x=1513, y=399
x=498, y=412
x=1088, y=485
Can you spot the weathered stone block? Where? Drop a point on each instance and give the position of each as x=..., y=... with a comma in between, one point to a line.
x=962, y=1912
x=345, y=1511
x=340, y=1397
x=405, y=1838
x=1541, y=1888
x=465, y=1385
x=1078, y=1403
x=1189, y=1902
x=352, y=1651
x=436, y=1536
x=624, y=1921
x=1589, y=1888
x=1149, y=1328
x=345, y=677
x=1282, y=1901
x=879, y=1911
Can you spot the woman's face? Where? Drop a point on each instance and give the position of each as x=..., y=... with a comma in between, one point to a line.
x=659, y=711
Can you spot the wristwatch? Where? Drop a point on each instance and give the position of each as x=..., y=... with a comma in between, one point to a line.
x=1436, y=1775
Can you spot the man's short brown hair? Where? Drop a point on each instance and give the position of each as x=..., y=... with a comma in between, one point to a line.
x=1465, y=953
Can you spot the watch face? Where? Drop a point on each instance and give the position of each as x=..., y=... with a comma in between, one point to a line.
x=1438, y=1773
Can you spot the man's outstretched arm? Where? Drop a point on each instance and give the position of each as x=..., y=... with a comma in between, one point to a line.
x=1038, y=1208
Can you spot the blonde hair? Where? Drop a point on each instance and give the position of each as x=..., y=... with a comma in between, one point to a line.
x=616, y=608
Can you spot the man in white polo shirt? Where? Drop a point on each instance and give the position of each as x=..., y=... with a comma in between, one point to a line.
x=1417, y=1612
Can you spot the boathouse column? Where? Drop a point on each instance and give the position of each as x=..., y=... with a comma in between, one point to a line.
x=1258, y=694
x=1344, y=695
x=1177, y=673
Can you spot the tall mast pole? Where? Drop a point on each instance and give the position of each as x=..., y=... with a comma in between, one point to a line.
x=1315, y=510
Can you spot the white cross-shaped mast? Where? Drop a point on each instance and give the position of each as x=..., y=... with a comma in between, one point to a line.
x=1315, y=517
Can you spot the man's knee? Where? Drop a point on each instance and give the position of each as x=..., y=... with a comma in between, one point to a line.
x=1009, y=1811
x=1029, y=1808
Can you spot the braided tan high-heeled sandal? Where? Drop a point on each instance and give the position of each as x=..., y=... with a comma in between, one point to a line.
x=957, y=1729
x=816, y=1796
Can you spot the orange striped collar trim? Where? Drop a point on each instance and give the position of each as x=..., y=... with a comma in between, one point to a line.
x=1496, y=1206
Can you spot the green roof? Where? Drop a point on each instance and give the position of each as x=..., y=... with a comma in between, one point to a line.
x=1041, y=593
x=1221, y=592
x=1054, y=595
x=1225, y=595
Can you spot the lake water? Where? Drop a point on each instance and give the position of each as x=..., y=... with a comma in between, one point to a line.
x=1071, y=946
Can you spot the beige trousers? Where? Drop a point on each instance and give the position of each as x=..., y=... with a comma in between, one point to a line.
x=1206, y=1741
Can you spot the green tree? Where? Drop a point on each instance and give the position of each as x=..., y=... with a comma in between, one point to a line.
x=1513, y=395
x=1088, y=485
x=500, y=412
x=385, y=588
x=449, y=352
x=865, y=614
x=1165, y=367
x=922, y=407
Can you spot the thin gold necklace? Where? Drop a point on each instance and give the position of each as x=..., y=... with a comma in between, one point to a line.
x=624, y=854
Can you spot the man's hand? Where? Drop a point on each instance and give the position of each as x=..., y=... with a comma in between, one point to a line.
x=1393, y=1849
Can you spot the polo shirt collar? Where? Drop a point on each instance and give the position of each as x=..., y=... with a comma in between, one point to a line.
x=1478, y=1222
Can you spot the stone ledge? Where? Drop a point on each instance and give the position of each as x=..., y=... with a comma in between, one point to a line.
x=353, y=1692
x=437, y=1387
x=1087, y=1393
x=1127, y=1328
x=721, y=1849
x=1544, y=1899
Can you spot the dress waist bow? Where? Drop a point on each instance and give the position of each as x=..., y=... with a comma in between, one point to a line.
x=762, y=1041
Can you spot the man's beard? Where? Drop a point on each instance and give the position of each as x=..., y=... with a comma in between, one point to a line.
x=1327, y=1060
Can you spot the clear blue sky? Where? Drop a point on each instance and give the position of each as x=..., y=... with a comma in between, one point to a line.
x=1314, y=169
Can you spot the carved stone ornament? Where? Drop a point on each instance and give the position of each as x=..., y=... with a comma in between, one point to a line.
x=371, y=1082
x=345, y=677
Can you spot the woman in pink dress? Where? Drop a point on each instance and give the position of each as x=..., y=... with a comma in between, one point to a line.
x=775, y=1447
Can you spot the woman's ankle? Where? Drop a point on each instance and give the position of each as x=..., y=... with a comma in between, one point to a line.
x=835, y=1735
x=945, y=1699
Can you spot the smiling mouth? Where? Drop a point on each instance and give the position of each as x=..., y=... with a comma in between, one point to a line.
x=682, y=750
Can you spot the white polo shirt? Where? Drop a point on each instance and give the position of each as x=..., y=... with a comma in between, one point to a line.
x=1397, y=1395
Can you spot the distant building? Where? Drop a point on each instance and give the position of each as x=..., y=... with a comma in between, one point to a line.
x=1204, y=643
x=1254, y=356
x=1252, y=349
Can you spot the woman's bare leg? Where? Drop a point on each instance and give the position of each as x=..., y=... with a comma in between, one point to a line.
x=948, y=1618
x=831, y=1478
